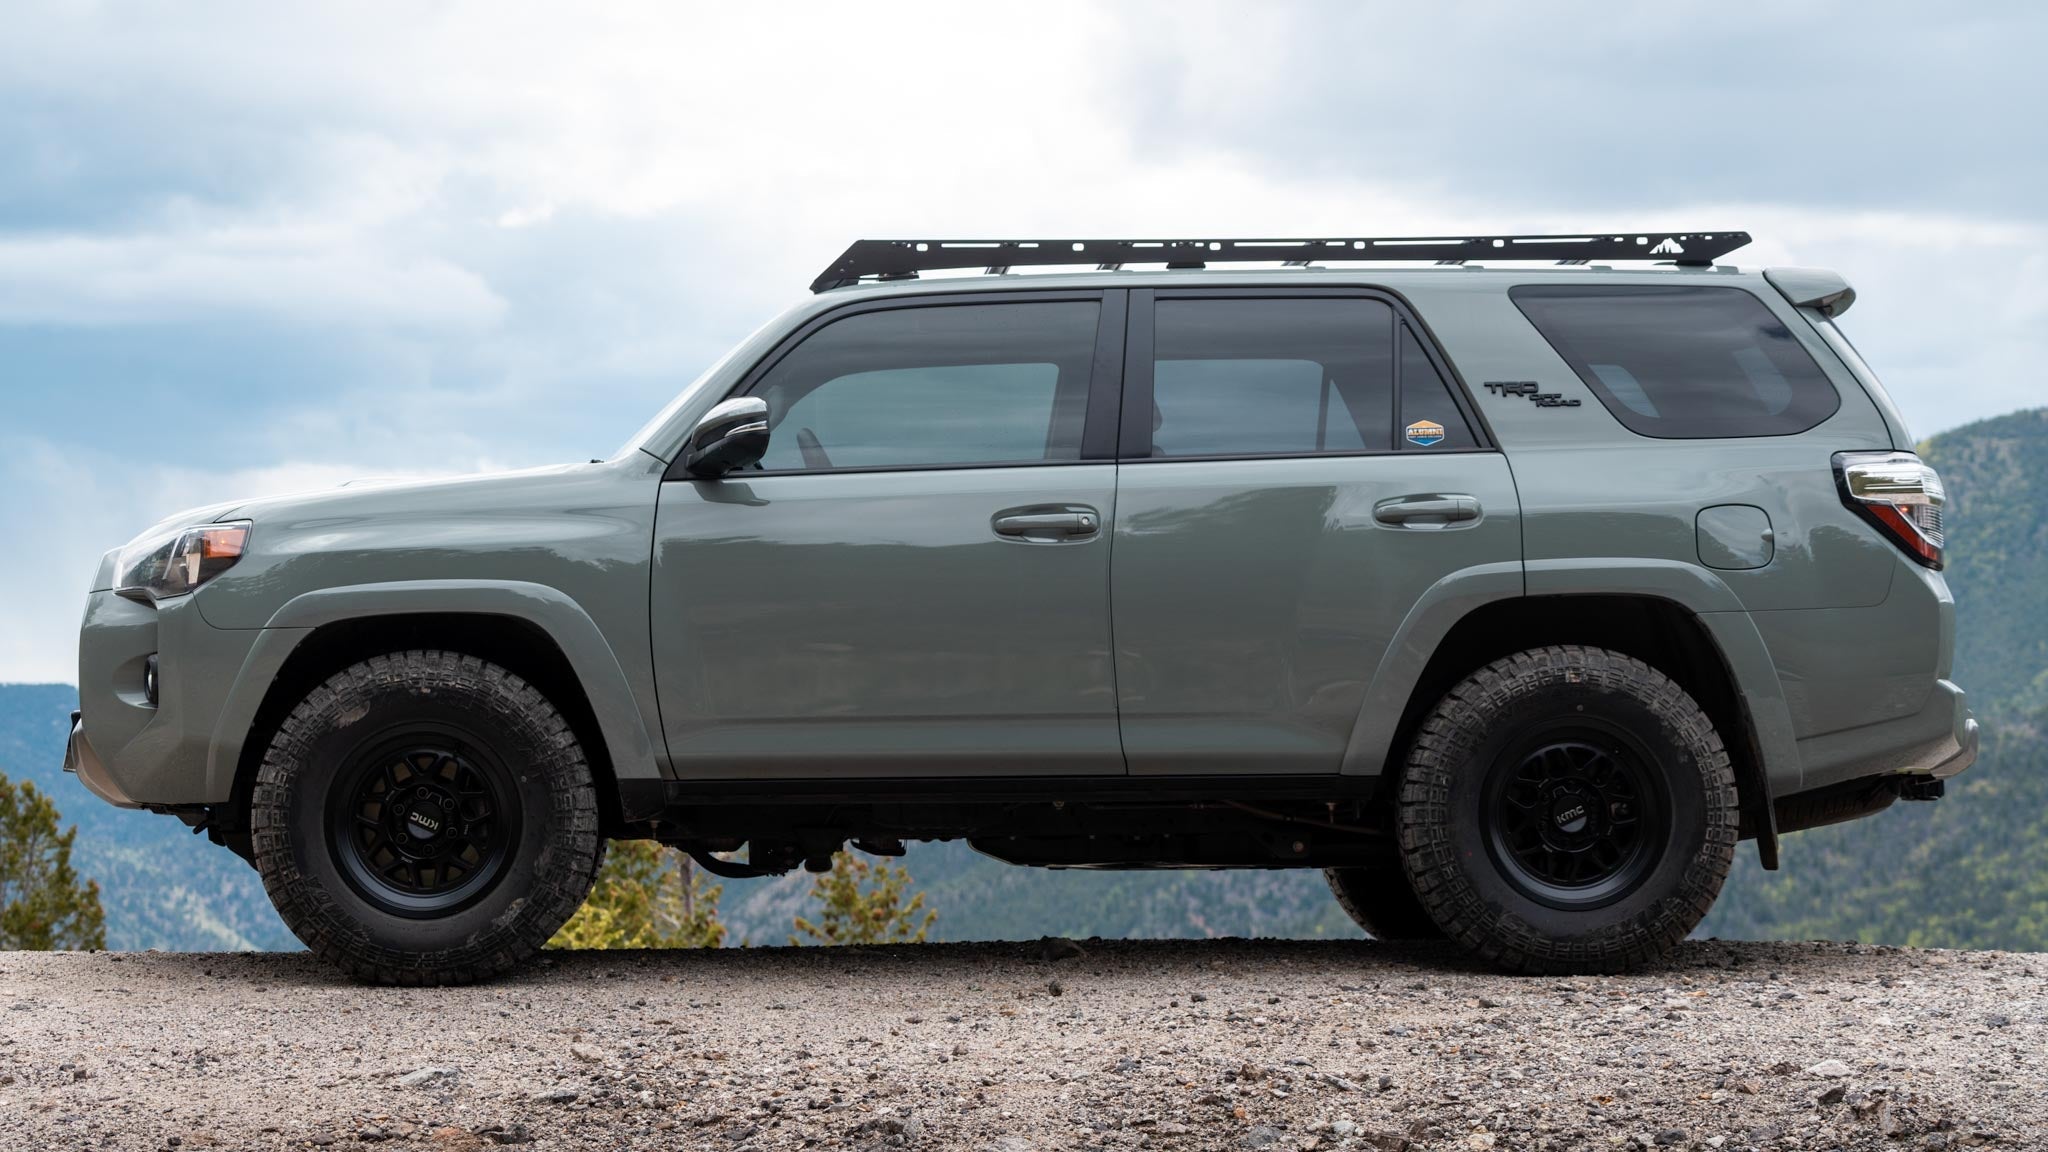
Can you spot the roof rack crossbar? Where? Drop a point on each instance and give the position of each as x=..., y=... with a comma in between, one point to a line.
x=904, y=259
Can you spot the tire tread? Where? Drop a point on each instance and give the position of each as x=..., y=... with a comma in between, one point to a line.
x=1440, y=751
x=541, y=735
x=1379, y=899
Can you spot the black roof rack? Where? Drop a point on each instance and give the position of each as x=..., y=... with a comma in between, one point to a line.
x=904, y=259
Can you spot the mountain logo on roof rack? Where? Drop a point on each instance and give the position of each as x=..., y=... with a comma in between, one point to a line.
x=1668, y=247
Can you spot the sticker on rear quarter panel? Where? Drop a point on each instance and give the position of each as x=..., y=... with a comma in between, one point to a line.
x=1425, y=432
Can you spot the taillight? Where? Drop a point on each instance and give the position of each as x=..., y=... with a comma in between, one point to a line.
x=1899, y=494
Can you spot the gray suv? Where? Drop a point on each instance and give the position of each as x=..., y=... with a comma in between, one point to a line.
x=1511, y=591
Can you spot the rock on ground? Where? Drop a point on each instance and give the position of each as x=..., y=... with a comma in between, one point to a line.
x=1283, y=1045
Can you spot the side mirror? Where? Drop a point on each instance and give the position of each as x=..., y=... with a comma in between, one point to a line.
x=731, y=436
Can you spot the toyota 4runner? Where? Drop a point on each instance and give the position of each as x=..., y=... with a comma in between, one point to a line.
x=1510, y=594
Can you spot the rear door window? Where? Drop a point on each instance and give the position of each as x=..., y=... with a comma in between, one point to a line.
x=1682, y=361
x=1279, y=377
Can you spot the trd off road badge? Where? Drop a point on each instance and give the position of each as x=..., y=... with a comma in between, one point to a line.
x=1532, y=390
x=1425, y=432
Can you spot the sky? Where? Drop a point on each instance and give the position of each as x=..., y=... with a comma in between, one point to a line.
x=253, y=247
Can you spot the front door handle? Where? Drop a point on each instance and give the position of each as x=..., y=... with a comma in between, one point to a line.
x=1433, y=511
x=1047, y=524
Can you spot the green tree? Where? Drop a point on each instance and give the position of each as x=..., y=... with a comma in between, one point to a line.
x=863, y=903
x=646, y=896
x=43, y=904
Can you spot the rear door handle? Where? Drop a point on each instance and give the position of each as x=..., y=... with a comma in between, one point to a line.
x=1045, y=525
x=1434, y=511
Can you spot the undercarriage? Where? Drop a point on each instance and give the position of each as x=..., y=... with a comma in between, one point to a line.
x=1203, y=822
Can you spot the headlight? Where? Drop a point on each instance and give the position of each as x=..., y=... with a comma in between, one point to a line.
x=171, y=563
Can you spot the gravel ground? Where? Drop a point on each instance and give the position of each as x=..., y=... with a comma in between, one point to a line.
x=1276, y=1045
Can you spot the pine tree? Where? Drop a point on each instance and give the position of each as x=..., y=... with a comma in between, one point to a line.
x=646, y=896
x=43, y=904
x=863, y=903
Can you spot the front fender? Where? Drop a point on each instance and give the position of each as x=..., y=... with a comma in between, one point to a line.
x=624, y=730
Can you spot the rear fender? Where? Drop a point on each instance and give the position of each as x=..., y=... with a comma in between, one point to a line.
x=1692, y=587
x=1698, y=590
x=1438, y=610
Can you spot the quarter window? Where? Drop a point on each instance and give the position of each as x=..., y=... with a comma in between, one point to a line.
x=1682, y=361
x=934, y=386
x=1430, y=418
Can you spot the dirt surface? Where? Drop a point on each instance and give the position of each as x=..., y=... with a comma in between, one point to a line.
x=1050, y=1045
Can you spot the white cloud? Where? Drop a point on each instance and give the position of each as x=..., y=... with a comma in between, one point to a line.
x=312, y=274
x=67, y=506
x=520, y=227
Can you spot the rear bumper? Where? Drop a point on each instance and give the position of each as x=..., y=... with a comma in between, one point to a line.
x=1964, y=735
x=1939, y=740
x=81, y=761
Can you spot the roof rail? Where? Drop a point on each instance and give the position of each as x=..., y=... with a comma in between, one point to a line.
x=904, y=259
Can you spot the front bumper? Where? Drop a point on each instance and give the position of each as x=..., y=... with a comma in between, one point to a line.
x=81, y=761
x=132, y=746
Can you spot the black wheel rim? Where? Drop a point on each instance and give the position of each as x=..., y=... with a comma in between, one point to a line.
x=423, y=825
x=1576, y=815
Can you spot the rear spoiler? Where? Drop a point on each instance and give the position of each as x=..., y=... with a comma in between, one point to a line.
x=1815, y=288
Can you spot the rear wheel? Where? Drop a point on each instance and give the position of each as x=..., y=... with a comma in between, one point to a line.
x=1379, y=899
x=425, y=818
x=1568, y=809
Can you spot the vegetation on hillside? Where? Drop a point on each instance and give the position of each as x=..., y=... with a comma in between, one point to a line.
x=1996, y=474
x=1969, y=871
x=982, y=898
x=863, y=903
x=43, y=903
x=646, y=896
x=160, y=886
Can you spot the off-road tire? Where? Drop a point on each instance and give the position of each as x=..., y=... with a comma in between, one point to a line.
x=548, y=867
x=1378, y=898
x=1454, y=859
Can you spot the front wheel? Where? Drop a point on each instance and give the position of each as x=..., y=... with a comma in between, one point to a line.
x=1568, y=809
x=425, y=818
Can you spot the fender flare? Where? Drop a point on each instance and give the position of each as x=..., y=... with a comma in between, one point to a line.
x=624, y=730
x=1694, y=588
x=1435, y=613
x=1720, y=611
